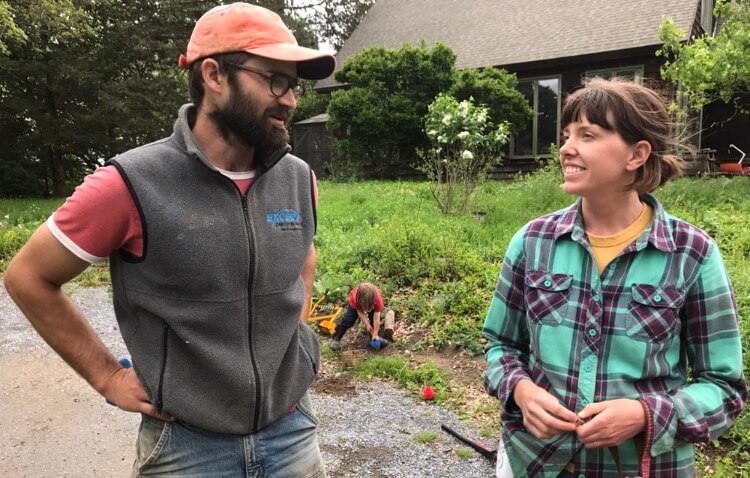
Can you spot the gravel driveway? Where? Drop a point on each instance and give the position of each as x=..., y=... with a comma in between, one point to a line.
x=54, y=424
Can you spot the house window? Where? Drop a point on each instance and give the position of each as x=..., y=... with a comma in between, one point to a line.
x=634, y=73
x=707, y=18
x=543, y=95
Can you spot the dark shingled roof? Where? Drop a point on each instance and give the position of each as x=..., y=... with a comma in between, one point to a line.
x=506, y=32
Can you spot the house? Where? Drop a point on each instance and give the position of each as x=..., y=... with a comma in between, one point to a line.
x=551, y=45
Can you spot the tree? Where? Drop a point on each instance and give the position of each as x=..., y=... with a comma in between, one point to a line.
x=382, y=110
x=9, y=31
x=42, y=88
x=379, y=118
x=710, y=68
x=498, y=90
x=289, y=10
x=311, y=104
x=91, y=79
x=338, y=19
x=331, y=20
x=465, y=146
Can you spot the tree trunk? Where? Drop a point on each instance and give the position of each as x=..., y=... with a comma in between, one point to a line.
x=57, y=168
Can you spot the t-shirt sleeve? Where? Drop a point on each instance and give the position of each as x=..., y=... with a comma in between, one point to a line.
x=98, y=218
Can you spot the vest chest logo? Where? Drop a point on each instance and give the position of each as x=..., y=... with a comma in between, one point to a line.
x=285, y=219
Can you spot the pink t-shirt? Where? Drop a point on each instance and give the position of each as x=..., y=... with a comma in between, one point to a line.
x=100, y=216
x=379, y=306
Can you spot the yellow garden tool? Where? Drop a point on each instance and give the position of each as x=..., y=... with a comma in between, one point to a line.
x=326, y=322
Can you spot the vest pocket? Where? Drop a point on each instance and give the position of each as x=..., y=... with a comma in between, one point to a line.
x=653, y=312
x=547, y=296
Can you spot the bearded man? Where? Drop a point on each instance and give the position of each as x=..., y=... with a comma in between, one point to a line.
x=209, y=237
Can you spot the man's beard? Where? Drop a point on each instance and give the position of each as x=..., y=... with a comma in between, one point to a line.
x=240, y=120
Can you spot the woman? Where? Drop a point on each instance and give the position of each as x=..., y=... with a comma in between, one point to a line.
x=603, y=309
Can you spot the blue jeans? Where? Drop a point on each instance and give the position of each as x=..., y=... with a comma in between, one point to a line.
x=286, y=448
x=348, y=319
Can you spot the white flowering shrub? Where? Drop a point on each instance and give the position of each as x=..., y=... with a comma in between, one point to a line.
x=464, y=147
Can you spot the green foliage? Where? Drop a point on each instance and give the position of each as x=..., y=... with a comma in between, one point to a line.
x=9, y=31
x=74, y=96
x=465, y=146
x=498, y=90
x=425, y=438
x=311, y=104
x=379, y=117
x=335, y=20
x=382, y=110
x=84, y=80
x=709, y=67
x=407, y=375
x=18, y=220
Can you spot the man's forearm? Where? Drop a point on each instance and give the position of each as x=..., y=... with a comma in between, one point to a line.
x=62, y=325
x=33, y=279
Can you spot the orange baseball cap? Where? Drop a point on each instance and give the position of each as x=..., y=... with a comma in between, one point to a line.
x=255, y=30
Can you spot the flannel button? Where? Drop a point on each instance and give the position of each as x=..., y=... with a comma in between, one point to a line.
x=587, y=368
x=597, y=298
x=592, y=332
x=612, y=266
x=547, y=283
x=657, y=298
x=584, y=402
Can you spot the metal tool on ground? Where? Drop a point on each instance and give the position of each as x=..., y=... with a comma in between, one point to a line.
x=480, y=447
x=325, y=322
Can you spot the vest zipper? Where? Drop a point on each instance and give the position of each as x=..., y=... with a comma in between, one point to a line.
x=248, y=226
x=159, y=394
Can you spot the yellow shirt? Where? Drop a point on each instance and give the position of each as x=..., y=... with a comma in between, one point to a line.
x=606, y=248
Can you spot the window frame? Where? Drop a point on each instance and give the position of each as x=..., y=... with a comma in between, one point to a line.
x=707, y=16
x=534, y=80
x=609, y=73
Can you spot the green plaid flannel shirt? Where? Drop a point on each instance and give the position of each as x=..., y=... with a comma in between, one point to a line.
x=658, y=325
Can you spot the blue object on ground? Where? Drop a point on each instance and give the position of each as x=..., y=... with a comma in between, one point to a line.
x=375, y=343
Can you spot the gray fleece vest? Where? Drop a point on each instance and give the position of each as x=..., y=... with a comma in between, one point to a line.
x=211, y=312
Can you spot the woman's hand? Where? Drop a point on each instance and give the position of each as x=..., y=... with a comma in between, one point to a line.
x=611, y=422
x=543, y=415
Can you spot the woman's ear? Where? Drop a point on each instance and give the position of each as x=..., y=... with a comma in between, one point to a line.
x=641, y=153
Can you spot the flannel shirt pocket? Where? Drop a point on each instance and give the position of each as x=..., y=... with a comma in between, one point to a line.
x=547, y=296
x=653, y=312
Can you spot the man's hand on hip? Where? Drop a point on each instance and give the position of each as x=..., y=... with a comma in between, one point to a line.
x=124, y=389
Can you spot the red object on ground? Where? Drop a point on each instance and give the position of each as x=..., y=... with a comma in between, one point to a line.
x=428, y=393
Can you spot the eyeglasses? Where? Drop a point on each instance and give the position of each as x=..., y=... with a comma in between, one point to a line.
x=279, y=82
